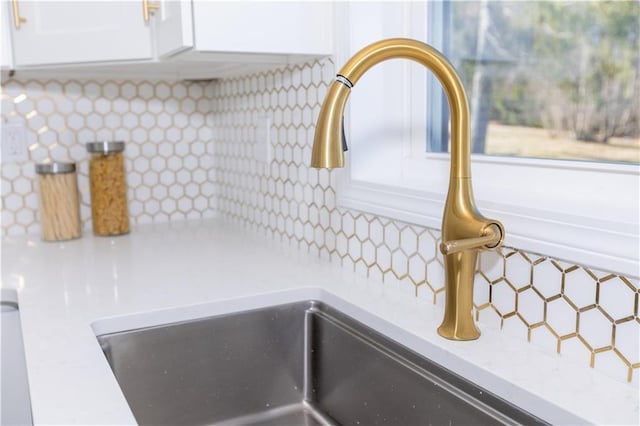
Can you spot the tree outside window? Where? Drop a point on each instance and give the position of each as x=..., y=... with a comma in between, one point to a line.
x=553, y=79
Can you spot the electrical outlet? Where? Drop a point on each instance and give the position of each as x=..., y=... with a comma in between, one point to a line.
x=14, y=146
x=262, y=145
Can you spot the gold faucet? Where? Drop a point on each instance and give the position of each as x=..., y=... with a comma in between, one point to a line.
x=464, y=229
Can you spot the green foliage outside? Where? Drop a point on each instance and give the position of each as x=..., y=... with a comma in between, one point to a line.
x=559, y=65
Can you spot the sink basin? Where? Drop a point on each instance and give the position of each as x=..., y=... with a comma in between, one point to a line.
x=302, y=363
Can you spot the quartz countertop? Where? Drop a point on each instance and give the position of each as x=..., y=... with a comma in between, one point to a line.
x=69, y=291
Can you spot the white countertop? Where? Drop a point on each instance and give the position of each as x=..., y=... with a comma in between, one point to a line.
x=180, y=270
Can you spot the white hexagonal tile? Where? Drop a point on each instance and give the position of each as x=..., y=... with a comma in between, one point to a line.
x=143, y=193
x=183, y=176
x=13, y=202
x=185, y=205
x=75, y=121
x=25, y=216
x=617, y=298
x=376, y=232
x=362, y=227
x=103, y=106
x=492, y=265
x=518, y=269
x=163, y=91
x=56, y=122
x=341, y=244
x=45, y=106
x=11, y=171
x=176, y=191
x=201, y=203
x=561, y=317
x=22, y=186
x=391, y=235
x=355, y=248
x=174, y=163
x=110, y=90
x=383, y=258
x=58, y=153
x=147, y=120
x=409, y=240
x=159, y=192
x=168, y=205
x=92, y=89
x=547, y=279
x=399, y=263
x=83, y=106
x=134, y=179
x=580, y=287
x=531, y=307
x=503, y=298
x=435, y=275
x=417, y=269
x=159, y=164
x=595, y=328
x=145, y=91
x=368, y=253
x=141, y=164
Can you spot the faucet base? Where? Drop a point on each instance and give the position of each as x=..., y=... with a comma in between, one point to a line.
x=459, y=270
x=449, y=332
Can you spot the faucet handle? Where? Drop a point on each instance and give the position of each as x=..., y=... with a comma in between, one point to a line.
x=492, y=238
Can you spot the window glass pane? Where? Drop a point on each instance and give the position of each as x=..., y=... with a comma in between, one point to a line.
x=553, y=79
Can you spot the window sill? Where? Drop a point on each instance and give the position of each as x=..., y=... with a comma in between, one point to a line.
x=604, y=235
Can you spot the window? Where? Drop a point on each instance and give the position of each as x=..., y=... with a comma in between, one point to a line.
x=586, y=212
x=551, y=79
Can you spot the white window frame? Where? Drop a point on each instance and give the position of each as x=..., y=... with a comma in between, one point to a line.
x=579, y=211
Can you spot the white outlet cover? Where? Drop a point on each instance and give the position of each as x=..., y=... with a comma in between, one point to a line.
x=14, y=144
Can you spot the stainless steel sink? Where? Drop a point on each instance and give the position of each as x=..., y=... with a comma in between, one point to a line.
x=302, y=363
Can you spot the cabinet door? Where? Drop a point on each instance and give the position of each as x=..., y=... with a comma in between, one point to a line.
x=300, y=27
x=6, y=61
x=59, y=32
x=173, y=27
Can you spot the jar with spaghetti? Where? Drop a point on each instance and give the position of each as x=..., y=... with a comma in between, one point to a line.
x=59, y=201
x=109, y=211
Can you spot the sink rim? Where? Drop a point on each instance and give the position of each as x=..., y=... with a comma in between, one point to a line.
x=434, y=350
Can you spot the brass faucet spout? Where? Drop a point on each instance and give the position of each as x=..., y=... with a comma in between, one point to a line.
x=464, y=229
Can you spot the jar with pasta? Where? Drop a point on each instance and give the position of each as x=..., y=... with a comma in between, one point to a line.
x=59, y=201
x=107, y=177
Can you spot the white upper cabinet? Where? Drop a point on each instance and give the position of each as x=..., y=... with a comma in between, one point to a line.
x=6, y=60
x=183, y=38
x=291, y=28
x=70, y=32
x=173, y=27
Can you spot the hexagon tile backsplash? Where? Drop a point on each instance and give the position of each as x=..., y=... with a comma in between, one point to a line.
x=166, y=127
x=588, y=315
x=190, y=155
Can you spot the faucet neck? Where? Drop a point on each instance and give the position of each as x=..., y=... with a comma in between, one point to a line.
x=446, y=74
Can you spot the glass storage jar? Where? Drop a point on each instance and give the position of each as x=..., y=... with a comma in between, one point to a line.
x=59, y=201
x=109, y=211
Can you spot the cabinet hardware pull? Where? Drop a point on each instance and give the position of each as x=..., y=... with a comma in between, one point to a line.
x=17, y=19
x=147, y=7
